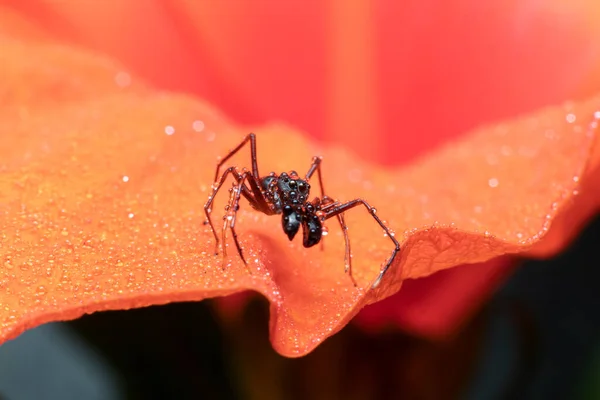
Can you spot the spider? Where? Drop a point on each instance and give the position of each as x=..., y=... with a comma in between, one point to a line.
x=287, y=195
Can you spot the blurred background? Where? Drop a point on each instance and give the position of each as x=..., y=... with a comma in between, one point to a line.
x=390, y=81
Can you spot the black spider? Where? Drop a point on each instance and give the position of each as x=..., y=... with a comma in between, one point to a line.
x=287, y=194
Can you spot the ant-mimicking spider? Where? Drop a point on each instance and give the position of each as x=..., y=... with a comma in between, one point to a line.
x=287, y=194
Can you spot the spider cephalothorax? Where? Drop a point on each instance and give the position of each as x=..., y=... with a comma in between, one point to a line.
x=288, y=194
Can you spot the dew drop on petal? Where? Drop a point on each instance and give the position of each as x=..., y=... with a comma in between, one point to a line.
x=198, y=126
x=169, y=130
x=493, y=182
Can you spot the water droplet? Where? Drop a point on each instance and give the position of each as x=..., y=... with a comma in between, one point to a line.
x=125, y=178
x=198, y=126
x=493, y=182
x=169, y=130
x=130, y=215
x=571, y=118
x=40, y=291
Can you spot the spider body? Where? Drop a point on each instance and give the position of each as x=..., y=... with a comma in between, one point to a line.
x=287, y=195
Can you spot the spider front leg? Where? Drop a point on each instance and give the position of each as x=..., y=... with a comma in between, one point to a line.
x=230, y=217
x=337, y=210
x=251, y=137
x=259, y=200
x=328, y=203
x=215, y=189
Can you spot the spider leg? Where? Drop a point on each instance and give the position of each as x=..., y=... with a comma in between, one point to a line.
x=337, y=210
x=251, y=137
x=226, y=218
x=348, y=253
x=259, y=199
x=260, y=202
x=215, y=189
x=234, y=206
x=329, y=202
x=316, y=167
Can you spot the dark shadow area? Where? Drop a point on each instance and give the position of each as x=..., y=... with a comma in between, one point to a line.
x=543, y=326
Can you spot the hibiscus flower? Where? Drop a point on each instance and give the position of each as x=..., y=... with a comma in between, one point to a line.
x=107, y=167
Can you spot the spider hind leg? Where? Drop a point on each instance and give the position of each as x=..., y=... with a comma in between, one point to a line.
x=340, y=209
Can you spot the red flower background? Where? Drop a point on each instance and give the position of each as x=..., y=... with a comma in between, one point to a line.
x=391, y=81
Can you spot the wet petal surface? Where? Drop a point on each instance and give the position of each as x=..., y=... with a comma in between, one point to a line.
x=103, y=183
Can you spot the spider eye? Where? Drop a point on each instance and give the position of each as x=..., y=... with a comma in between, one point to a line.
x=292, y=183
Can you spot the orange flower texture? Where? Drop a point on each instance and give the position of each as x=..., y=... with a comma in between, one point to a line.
x=103, y=179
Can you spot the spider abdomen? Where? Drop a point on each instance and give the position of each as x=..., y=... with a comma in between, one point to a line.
x=291, y=219
x=312, y=230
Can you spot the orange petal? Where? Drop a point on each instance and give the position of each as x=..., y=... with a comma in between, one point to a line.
x=103, y=182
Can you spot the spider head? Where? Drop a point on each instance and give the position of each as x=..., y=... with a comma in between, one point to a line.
x=291, y=189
